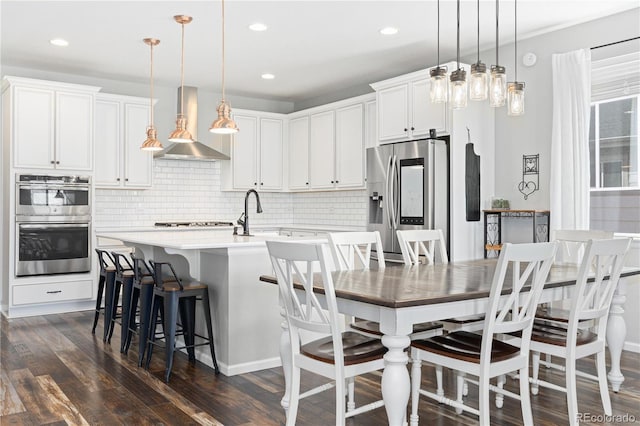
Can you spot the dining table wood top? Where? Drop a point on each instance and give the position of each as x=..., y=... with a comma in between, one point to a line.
x=406, y=286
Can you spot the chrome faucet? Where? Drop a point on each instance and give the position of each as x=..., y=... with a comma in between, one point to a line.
x=244, y=218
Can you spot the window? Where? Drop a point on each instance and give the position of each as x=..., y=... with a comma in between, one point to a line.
x=613, y=144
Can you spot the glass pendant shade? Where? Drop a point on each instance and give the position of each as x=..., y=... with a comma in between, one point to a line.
x=498, y=86
x=515, y=98
x=458, y=88
x=478, y=82
x=438, y=88
x=151, y=143
x=223, y=125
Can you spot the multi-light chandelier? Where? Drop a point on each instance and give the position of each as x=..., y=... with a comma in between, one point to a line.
x=482, y=85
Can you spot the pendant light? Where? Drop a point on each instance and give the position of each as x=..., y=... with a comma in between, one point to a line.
x=223, y=124
x=438, y=89
x=498, y=85
x=515, y=93
x=478, y=88
x=181, y=134
x=458, y=78
x=151, y=143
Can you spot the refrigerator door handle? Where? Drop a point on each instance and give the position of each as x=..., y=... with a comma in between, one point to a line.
x=387, y=191
x=392, y=195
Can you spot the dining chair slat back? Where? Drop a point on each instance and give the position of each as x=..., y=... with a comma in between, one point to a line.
x=422, y=242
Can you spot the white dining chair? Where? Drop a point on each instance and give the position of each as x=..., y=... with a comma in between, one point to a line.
x=571, y=243
x=511, y=308
x=342, y=355
x=352, y=250
x=428, y=244
x=591, y=301
x=421, y=244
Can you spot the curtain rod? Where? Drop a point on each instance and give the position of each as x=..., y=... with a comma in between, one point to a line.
x=615, y=42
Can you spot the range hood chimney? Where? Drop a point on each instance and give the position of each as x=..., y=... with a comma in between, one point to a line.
x=194, y=150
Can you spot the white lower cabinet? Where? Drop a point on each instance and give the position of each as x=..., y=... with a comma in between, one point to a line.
x=120, y=126
x=52, y=292
x=256, y=152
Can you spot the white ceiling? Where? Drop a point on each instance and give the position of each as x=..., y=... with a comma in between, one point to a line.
x=312, y=47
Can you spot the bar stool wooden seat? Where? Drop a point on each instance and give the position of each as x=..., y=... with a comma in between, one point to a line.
x=177, y=296
x=107, y=276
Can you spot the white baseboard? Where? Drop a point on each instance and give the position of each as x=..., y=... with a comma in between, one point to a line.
x=48, y=308
x=248, y=367
x=631, y=347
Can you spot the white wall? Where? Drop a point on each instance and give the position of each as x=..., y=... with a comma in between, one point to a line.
x=531, y=133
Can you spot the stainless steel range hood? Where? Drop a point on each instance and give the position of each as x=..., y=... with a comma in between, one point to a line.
x=194, y=150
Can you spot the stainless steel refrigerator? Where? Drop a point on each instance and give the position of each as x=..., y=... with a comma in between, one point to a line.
x=408, y=188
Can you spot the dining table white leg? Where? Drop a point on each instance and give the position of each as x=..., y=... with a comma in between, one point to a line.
x=616, y=333
x=395, y=379
x=285, y=357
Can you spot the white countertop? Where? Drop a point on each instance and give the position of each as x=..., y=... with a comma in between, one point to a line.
x=254, y=228
x=198, y=239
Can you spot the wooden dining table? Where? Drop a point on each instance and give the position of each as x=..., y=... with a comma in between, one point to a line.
x=400, y=296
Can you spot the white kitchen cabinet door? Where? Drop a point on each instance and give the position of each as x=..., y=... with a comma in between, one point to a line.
x=371, y=124
x=350, y=147
x=138, y=164
x=74, y=131
x=34, y=127
x=271, y=167
x=322, y=150
x=393, y=117
x=425, y=114
x=108, y=148
x=244, y=152
x=299, y=153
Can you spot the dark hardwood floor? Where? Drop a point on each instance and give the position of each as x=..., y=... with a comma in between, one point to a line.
x=54, y=372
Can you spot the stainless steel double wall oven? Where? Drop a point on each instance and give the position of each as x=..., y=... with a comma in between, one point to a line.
x=53, y=224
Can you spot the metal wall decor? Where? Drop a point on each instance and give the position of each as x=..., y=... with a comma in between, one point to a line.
x=530, y=175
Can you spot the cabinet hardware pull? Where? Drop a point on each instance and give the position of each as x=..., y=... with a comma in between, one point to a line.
x=337, y=181
x=53, y=162
x=307, y=183
x=405, y=129
x=261, y=183
x=412, y=128
x=118, y=179
x=331, y=181
x=57, y=162
x=255, y=183
x=126, y=179
x=54, y=291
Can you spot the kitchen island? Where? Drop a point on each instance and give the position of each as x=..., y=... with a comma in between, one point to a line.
x=245, y=313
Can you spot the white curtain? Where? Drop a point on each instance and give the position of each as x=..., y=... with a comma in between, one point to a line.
x=569, y=179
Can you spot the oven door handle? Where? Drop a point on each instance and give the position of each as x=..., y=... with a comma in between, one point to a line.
x=61, y=187
x=53, y=225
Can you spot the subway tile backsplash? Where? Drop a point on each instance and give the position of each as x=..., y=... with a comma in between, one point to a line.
x=190, y=190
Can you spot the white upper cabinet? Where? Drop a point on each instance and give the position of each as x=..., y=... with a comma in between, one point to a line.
x=405, y=111
x=350, y=146
x=51, y=124
x=327, y=146
x=257, y=152
x=322, y=150
x=271, y=153
x=120, y=125
x=299, y=153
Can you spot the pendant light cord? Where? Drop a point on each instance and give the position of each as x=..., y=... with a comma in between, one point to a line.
x=515, y=38
x=497, y=19
x=223, y=97
x=151, y=98
x=478, y=31
x=438, y=33
x=458, y=29
x=182, y=75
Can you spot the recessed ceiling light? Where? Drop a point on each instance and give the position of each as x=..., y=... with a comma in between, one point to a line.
x=59, y=42
x=258, y=26
x=389, y=31
x=268, y=76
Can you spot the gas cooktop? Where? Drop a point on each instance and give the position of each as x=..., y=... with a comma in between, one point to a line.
x=192, y=224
